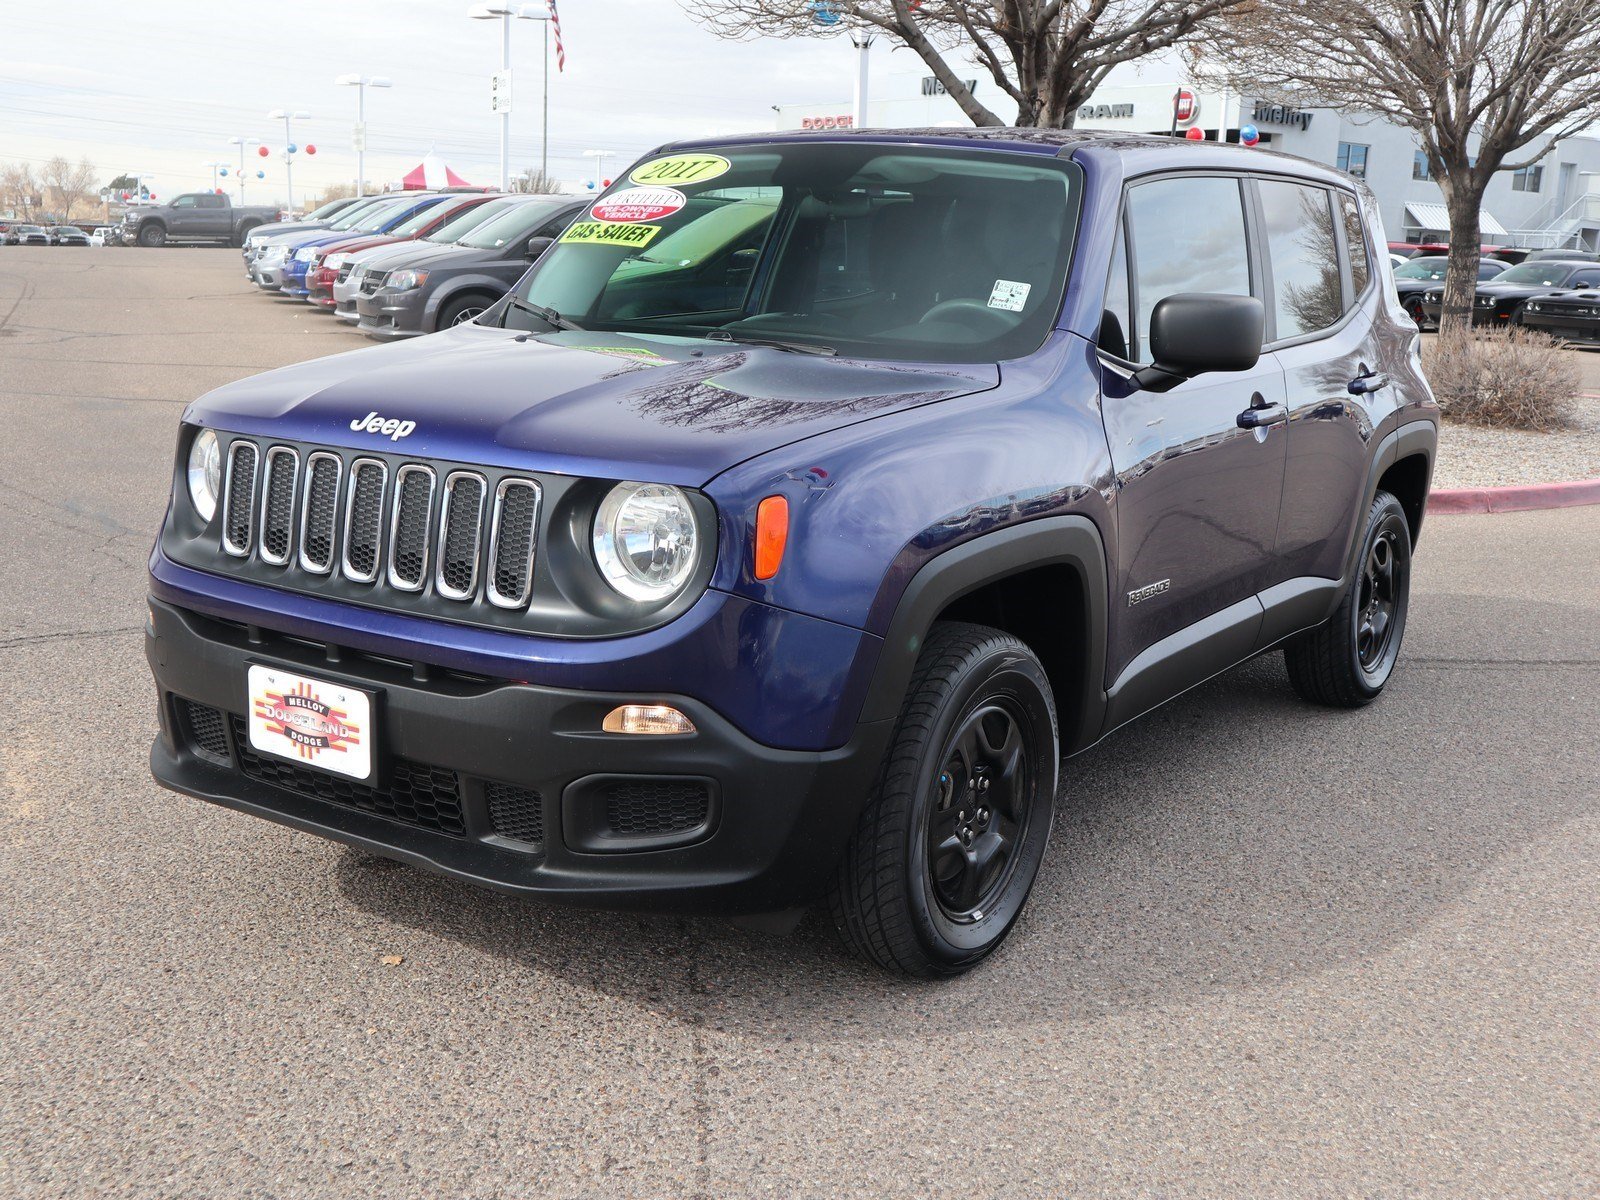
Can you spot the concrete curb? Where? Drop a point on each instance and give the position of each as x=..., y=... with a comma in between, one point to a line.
x=1514, y=499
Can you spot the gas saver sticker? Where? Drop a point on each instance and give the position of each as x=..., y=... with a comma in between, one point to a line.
x=1009, y=295
x=607, y=233
x=632, y=206
x=682, y=168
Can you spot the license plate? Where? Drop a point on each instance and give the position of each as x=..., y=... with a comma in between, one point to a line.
x=311, y=721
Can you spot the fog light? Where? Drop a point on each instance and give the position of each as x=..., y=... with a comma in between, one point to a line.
x=646, y=718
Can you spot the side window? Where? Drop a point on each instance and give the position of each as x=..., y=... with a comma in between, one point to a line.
x=183, y=202
x=1355, y=243
x=1586, y=279
x=554, y=227
x=1116, y=319
x=212, y=202
x=1187, y=235
x=1486, y=271
x=1303, y=256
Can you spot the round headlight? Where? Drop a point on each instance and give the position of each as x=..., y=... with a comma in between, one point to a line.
x=205, y=474
x=645, y=540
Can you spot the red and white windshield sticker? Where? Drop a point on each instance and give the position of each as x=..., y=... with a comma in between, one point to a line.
x=632, y=205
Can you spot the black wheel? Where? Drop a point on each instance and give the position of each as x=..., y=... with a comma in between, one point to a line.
x=463, y=309
x=1347, y=660
x=152, y=235
x=243, y=234
x=949, y=843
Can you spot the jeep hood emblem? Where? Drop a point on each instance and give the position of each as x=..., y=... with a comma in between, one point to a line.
x=391, y=427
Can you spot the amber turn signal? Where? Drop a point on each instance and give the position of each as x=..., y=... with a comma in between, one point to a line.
x=646, y=718
x=772, y=535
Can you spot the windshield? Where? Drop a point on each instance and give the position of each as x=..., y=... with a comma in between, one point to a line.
x=375, y=220
x=350, y=216
x=327, y=210
x=458, y=227
x=417, y=221
x=1539, y=274
x=1422, y=268
x=901, y=252
x=519, y=222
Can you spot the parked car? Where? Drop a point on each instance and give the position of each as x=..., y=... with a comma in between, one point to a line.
x=265, y=267
x=331, y=258
x=1573, y=317
x=1500, y=301
x=452, y=284
x=320, y=218
x=27, y=235
x=101, y=236
x=1562, y=256
x=748, y=579
x=382, y=222
x=195, y=217
x=67, y=235
x=352, y=273
x=1420, y=275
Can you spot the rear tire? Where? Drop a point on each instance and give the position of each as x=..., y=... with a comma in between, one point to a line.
x=1346, y=661
x=152, y=235
x=949, y=844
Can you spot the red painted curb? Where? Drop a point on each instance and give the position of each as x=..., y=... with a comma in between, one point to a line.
x=1514, y=499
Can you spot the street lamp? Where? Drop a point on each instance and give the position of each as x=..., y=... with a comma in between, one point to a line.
x=287, y=115
x=242, y=142
x=501, y=95
x=215, y=167
x=600, y=157
x=361, y=84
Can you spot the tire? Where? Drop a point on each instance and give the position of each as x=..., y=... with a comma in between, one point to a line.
x=152, y=235
x=1346, y=661
x=463, y=309
x=243, y=234
x=907, y=894
x=1418, y=317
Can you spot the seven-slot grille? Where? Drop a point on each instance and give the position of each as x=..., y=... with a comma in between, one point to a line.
x=403, y=528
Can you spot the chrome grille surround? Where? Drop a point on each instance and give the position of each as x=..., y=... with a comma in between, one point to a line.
x=511, y=551
x=460, y=535
x=318, y=528
x=410, y=527
x=277, y=505
x=238, y=509
x=369, y=514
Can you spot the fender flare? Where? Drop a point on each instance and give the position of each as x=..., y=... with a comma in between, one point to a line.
x=1072, y=541
x=1414, y=437
x=455, y=287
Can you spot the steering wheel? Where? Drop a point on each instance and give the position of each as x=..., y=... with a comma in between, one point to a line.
x=966, y=308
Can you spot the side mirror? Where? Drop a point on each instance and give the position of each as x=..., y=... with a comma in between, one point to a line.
x=537, y=246
x=1194, y=333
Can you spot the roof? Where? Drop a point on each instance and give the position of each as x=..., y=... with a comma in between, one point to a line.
x=1436, y=216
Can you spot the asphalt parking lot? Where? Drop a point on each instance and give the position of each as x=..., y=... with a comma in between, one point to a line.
x=1274, y=951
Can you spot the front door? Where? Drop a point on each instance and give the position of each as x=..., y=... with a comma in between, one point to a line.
x=1197, y=494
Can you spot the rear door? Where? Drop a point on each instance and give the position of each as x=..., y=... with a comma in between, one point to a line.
x=1197, y=495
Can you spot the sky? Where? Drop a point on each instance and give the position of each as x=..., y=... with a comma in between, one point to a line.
x=160, y=86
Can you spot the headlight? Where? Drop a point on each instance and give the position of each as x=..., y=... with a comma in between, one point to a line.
x=404, y=281
x=646, y=541
x=205, y=474
x=334, y=261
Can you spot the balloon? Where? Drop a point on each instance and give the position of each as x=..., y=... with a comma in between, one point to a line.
x=589, y=183
x=1196, y=135
x=124, y=195
x=261, y=174
x=293, y=149
x=605, y=183
x=1249, y=135
x=311, y=149
x=223, y=172
x=219, y=191
x=263, y=152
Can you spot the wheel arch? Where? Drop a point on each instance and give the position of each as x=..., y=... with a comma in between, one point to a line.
x=1043, y=582
x=454, y=289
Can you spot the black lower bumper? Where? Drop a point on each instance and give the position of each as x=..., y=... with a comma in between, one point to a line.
x=522, y=787
x=1582, y=330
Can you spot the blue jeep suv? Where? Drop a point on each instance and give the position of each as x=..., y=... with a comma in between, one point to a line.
x=779, y=535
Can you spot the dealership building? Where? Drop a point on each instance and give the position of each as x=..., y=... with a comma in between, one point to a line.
x=1552, y=203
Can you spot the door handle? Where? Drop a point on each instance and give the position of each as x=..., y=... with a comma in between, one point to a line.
x=1366, y=382
x=1259, y=416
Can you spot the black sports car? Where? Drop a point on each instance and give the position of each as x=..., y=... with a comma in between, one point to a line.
x=1500, y=301
x=1425, y=273
x=1571, y=316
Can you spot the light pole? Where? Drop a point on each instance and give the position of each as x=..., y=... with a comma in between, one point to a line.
x=599, y=157
x=861, y=39
x=361, y=84
x=501, y=94
x=287, y=115
x=242, y=143
x=215, y=167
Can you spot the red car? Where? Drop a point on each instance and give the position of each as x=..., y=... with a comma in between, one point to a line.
x=320, y=276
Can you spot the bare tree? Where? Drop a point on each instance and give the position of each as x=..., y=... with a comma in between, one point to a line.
x=535, y=181
x=1046, y=55
x=19, y=189
x=69, y=185
x=1477, y=81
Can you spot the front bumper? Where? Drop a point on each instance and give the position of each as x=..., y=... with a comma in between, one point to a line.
x=524, y=779
x=269, y=275
x=389, y=315
x=1568, y=327
x=292, y=279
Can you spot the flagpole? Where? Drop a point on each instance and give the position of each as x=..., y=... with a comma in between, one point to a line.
x=544, y=144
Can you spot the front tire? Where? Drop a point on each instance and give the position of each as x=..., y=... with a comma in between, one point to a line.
x=1346, y=661
x=463, y=309
x=152, y=235
x=949, y=844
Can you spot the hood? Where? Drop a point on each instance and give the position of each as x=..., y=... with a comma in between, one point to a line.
x=667, y=410
x=392, y=251
x=427, y=254
x=273, y=228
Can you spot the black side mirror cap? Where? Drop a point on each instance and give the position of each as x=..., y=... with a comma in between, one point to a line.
x=1195, y=333
x=537, y=246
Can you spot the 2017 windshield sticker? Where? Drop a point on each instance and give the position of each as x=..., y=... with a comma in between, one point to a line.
x=682, y=169
x=1009, y=295
x=632, y=206
x=607, y=233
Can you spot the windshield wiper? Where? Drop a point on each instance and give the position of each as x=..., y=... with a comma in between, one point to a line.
x=722, y=335
x=548, y=315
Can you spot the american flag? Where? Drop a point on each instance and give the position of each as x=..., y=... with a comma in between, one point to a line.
x=555, y=24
